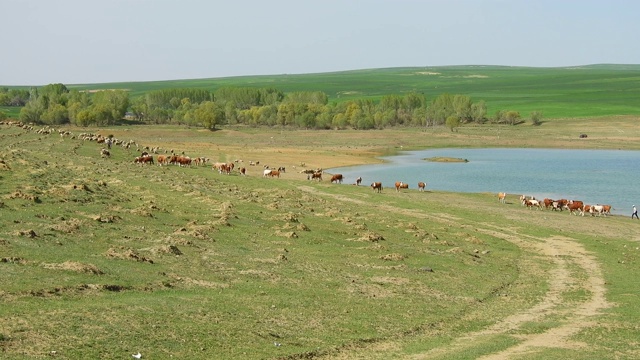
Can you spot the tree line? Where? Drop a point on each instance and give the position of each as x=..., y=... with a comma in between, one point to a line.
x=55, y=104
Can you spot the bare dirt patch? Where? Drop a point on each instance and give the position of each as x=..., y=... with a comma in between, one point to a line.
x=75, y=266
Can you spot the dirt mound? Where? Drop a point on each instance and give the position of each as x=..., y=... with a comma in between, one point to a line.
x=167, y=249
x=20, y=195
x=67, y=226
x=75, y=266
x=126, y=254
x=393, y=257
x=371, y=236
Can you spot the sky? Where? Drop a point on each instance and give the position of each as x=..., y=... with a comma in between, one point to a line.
x=103, y=41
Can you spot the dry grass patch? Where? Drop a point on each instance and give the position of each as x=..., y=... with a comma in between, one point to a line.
x=75, y=266
x=126, y=254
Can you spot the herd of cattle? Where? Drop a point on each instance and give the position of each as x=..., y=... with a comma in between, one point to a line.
x=575, y=207
x=171, y=158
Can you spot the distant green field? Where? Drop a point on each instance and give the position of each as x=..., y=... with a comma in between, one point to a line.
x=10, y=111
x=582, y=91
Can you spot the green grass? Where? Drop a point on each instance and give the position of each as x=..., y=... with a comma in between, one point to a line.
x=186, y=262
x=11, y=111
x=585, y=91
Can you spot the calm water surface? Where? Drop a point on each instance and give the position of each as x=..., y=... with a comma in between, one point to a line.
x=593, y=176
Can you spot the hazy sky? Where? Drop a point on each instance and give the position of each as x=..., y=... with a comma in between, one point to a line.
x=96, y=41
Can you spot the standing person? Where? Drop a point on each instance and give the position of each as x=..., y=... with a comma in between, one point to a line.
x=635, y=212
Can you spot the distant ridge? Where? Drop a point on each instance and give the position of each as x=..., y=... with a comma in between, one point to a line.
x=557, y=92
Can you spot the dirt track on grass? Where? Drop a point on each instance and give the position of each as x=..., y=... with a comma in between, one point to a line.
x=572, y=269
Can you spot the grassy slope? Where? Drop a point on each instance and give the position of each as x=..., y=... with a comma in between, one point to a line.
x=585, y=91
x=323, y=270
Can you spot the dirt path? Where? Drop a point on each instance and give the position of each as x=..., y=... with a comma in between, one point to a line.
x=572, y=269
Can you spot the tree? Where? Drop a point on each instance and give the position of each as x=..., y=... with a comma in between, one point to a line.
x=56, y=114
x=33, y=109
x=85, y=118
x=536, y=118
x=512, y=117
x=139, y=108
x=413, y=101
x=453, y=122
x=112, y=105
x=440, y=109
x=462, y=107
x=208, y=114
x=391, y=102
x=478, y=112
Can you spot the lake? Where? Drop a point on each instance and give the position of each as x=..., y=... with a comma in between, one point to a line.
x=593, y=176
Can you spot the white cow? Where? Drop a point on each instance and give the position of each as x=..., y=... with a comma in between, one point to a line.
x=597, y=209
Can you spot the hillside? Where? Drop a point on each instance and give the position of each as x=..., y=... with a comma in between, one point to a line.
x=104, y=258
x=569, y=92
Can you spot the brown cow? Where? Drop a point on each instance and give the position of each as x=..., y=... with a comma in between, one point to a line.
x=162, y=160
x=376, y=186
x=578, y=204
x=502, y=197
x=144, y=159
x=401, y=185
x=315, y=175
x=421, y=186
x=184, y=161
x=337, y=178
x=274, y=173
x=578, y=207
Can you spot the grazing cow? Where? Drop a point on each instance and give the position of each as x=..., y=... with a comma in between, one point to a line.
x=358, y=181
x=266, y=172
x=224, y=169
x=523, y=200
x=597, y=209
x=606, y=209
x=184, y=161
x=315, y=175
x=282, y=169
x=562, y=203
x=578, y=207
x=220, y=166
x=502, y=197
x=556, y=205
x=533, y=202
x=578, y=203
x=162, y=160
x=421, y=186
x=377, y=186
x=144, y=159
x=243, y=171
x=200, y=160
x=274, y=173
x=337, y=178
x=401, y=185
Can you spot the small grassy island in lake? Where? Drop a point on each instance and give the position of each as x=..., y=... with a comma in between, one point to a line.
x=445, y=159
